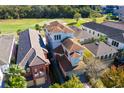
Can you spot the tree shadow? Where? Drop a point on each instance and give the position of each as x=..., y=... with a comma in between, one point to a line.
x=72, y=23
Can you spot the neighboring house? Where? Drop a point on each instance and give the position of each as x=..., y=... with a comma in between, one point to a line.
x=114, y=36
x=7, y=48
x=68, y=54
x=82, y=36
x=57, y=32
x=101, y=50
x=71, y=49
x=32, y=56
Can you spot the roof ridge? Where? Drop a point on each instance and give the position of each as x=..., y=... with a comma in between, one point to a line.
x=27, y=54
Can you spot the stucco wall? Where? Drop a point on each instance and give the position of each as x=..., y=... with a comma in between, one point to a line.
x=91, y=32
x=56, y=43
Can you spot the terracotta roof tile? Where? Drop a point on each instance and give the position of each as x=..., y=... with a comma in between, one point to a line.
x=64, y=62
x=56, y=26
x=59, y=49
x=71, y=45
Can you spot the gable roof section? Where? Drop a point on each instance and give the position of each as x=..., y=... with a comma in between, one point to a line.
x=56, y=26
x=100, y=48
x=24, y=45
x=64, y=62
x=119, y=37
x=30, y=40
x=71, y=45
x=109, y=31
x=6, y=48
x=118, y=25
x=59, y=49
x=80, y=33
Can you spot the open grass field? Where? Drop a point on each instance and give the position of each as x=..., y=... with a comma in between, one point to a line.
x=12, y=25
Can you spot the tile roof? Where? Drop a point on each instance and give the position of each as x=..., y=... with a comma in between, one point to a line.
x=6, y=48
x=64, y=62
x=71, y=45
x=59, y=49
x=56, y=26
x=119, y=37
x=118, y=25
x=80, y=34
x=30, y=46
x=109, y=31
x=100, y=48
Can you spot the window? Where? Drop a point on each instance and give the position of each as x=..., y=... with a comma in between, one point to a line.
x=89, y=31
x=110, y=55
x=101, y=57
x=114, y=43
x=93, y=33
x=57, y=37
x=117, y=44
x=98, y=34
x=105, y=56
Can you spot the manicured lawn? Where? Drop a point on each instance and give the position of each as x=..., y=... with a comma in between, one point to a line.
x=12, y=25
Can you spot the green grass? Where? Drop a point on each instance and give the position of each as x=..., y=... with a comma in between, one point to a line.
x=12, y=25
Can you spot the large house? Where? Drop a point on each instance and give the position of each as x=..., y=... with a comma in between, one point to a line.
x=7, y=49
x=115, y=37
x=100, y=50
x=57, y=32
x=32, y=56
x=68, y=54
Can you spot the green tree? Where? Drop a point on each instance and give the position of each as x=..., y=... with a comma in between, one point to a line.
x=114, y=77
x=14, y=77
x=74, y=82
x=77, y=16
x=96, y=83
x=94, y=14
x=18, y=31
x=16, y=81
x=38, y=27
x=109, y=16
x=102, y=38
